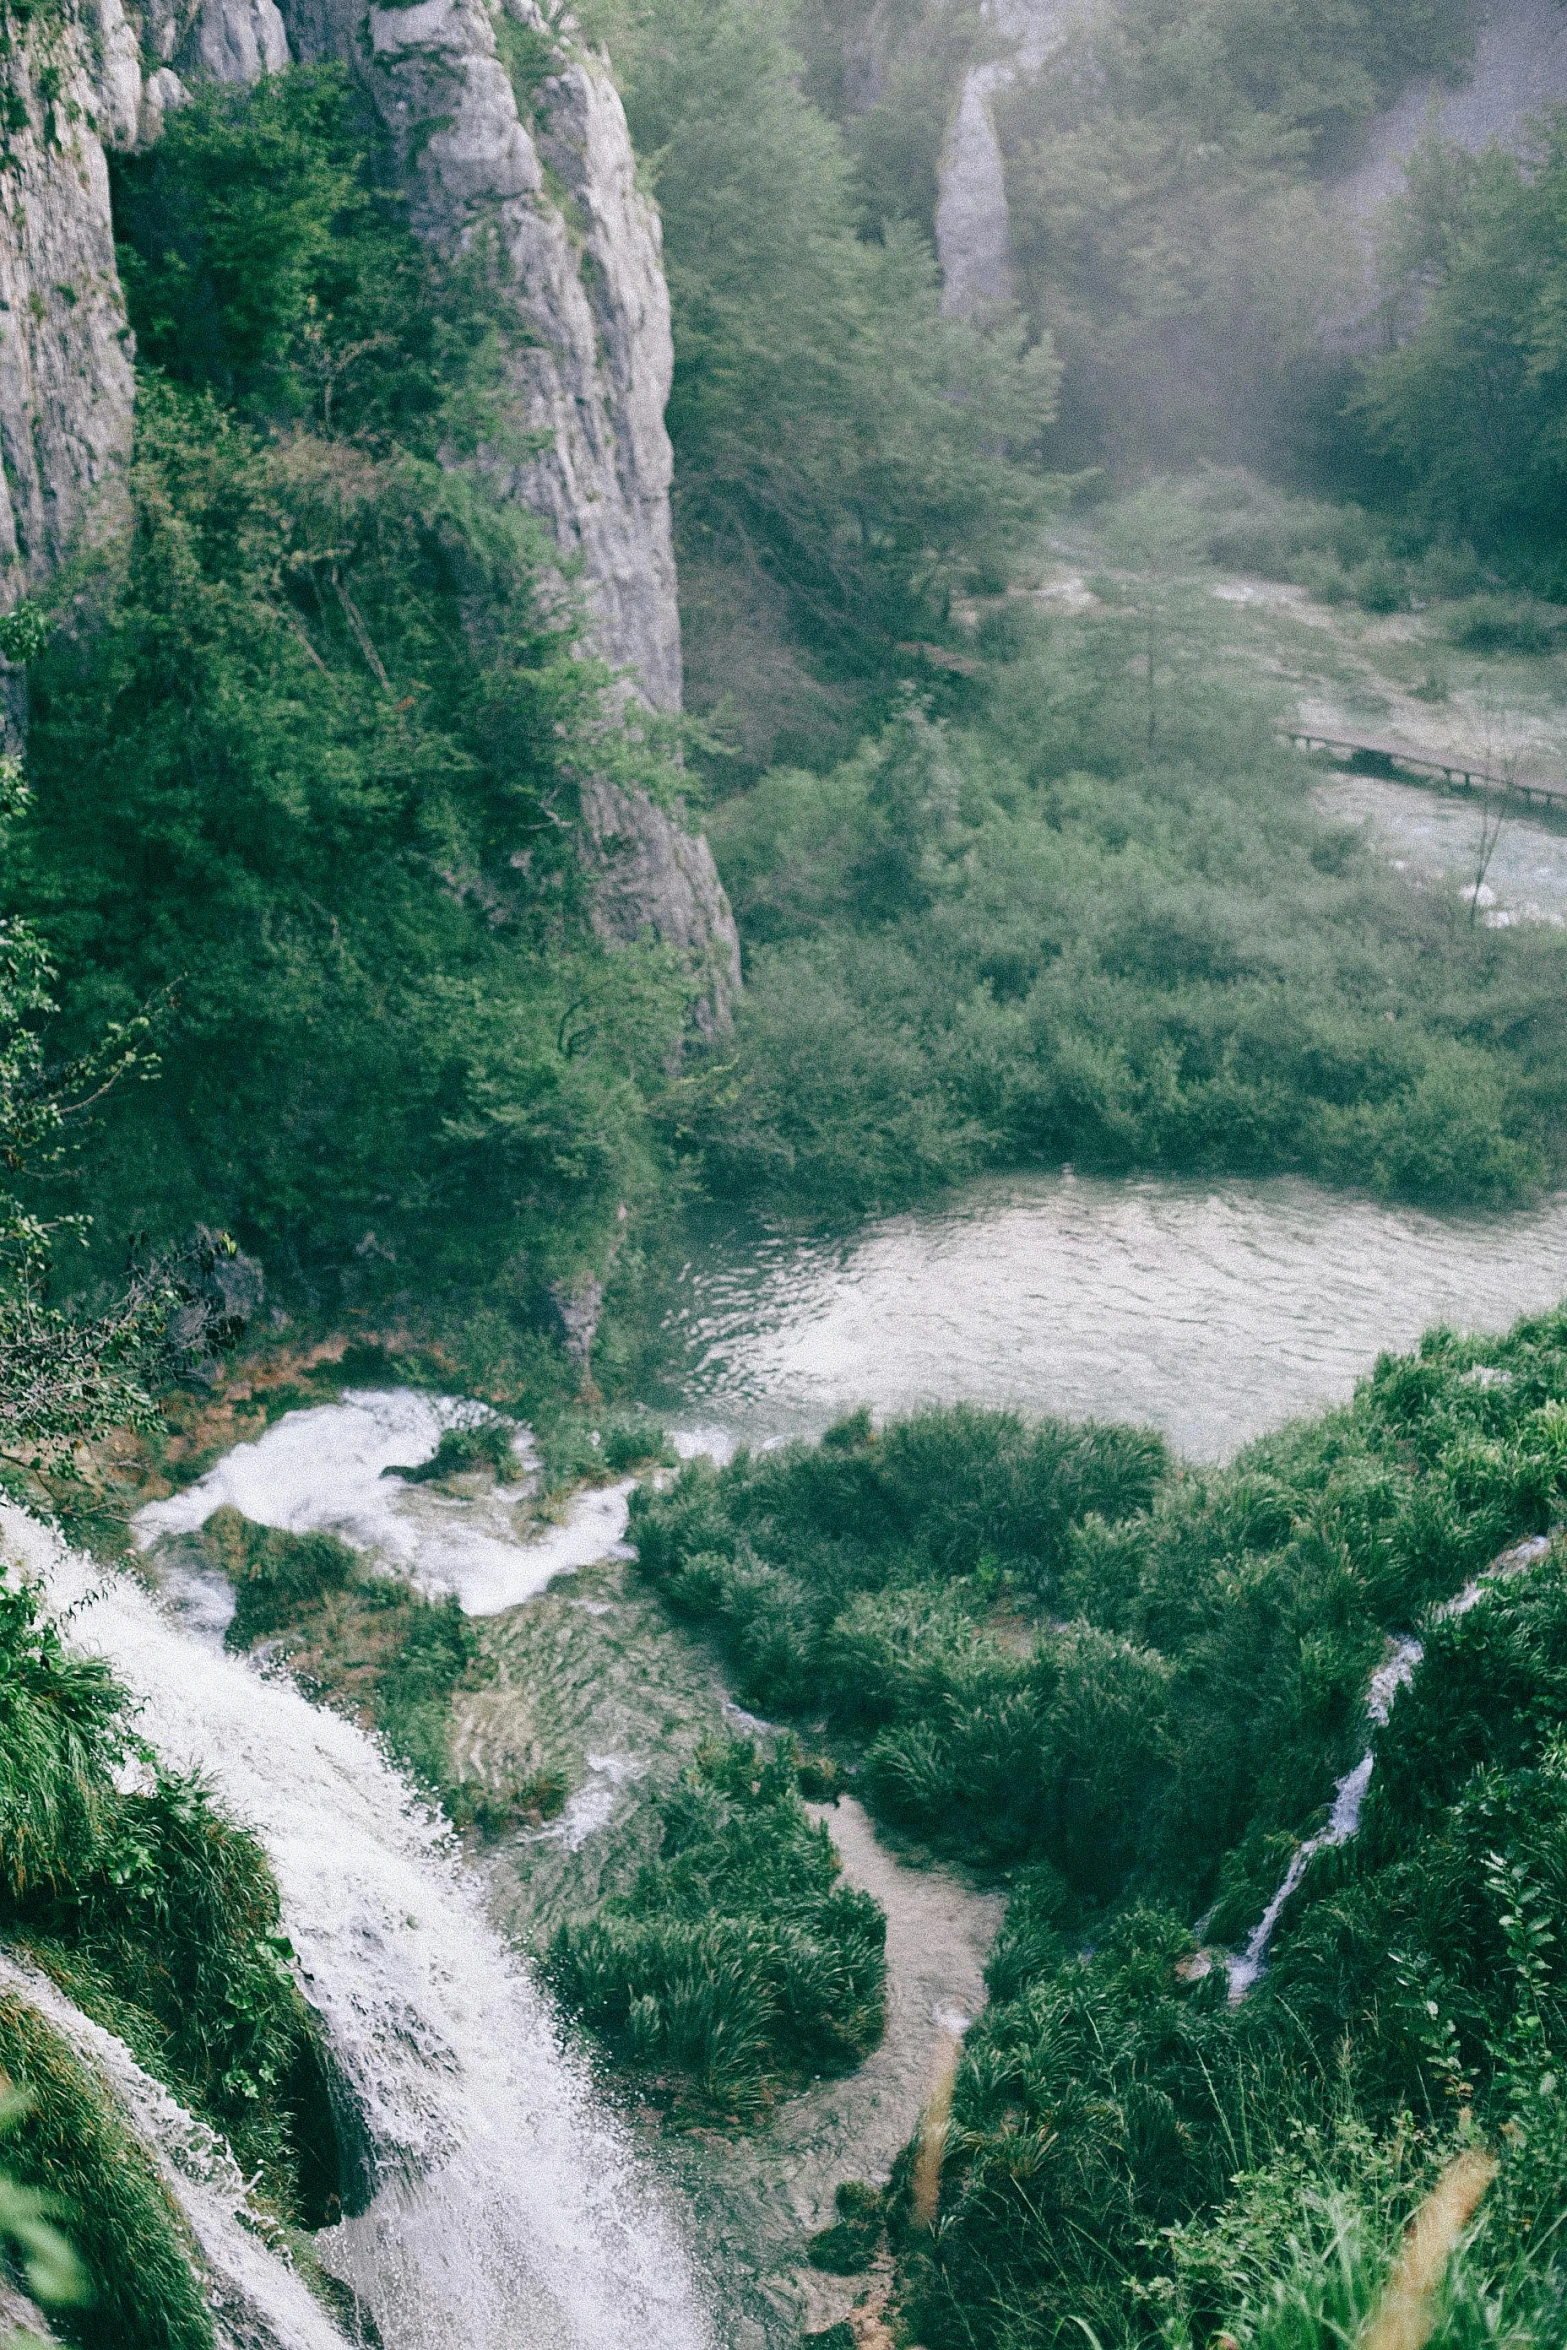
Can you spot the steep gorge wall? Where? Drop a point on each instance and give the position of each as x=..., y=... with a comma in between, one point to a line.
x=553, y=178
x=1519, y=68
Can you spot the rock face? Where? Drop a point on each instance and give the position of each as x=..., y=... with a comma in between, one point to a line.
x=558, y=188
x=498, y=129
x=655, y=876
x=65, y=376
x=973, y=239
x=1520, y=67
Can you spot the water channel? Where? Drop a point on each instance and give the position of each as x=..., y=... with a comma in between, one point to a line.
x=507, y=2194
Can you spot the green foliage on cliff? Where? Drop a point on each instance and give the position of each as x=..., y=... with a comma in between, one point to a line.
x=262, y=262
x=737, y=1965
x=1101, y=922
x=307, y=745
x=1136, y=1686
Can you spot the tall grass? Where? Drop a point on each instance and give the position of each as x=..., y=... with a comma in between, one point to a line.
x=154, y=1911
x=1132, y=1686
x=738, y=1963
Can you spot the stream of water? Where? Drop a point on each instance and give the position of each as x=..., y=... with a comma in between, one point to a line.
x=510, y=2212
x=509, y=2207
x=1212, y=1310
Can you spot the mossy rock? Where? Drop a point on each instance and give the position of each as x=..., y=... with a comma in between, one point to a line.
x=73, y=2145
x=852, y=2243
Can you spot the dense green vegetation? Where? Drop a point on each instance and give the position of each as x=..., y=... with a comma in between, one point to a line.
x=1098, y=920
x=1135, y=1685
x=843, y=453
x=737, y=1965
x=1472, y=400
x=367, y=1642
x=134, y=2283
x=160, y=1919
x=306, y=750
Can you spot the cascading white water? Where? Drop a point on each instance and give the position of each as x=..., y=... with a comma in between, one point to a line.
x=509, y=2212
x=1349, y=1795
x=258, y=2300
x=326, y=1469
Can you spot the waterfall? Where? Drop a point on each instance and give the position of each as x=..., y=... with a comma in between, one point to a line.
x=1349, y=1795
x=256, y=2298
x=509, y=2213
x=1393, y=1674
x=325, y=1469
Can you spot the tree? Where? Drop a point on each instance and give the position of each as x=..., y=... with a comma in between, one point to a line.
x=1472, y=398
x=63, y=1375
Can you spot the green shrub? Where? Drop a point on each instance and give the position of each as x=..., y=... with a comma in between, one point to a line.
x=1499, y=624
x=1448, y=572
x=854, y=2239
x=1324, y=577
x=274, y=1573
x=488, y=1444
x=1379, y=586
x=737, y=1964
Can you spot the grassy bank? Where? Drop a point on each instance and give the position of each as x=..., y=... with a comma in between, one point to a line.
x=1133, y=1686
x=159, y=1918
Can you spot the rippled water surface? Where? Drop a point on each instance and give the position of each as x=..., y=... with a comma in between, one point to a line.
x=1213, y=1310
x=1437, y=835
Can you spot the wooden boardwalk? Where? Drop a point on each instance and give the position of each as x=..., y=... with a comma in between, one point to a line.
x=1457, y=774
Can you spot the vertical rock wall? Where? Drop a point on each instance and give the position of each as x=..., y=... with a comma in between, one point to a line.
x=500, y=127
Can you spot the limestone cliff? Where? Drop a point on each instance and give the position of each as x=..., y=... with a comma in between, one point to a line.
x=1520, y=68
x=499, y=124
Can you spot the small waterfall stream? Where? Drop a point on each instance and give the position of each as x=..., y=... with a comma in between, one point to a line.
x=510, y=2213
x=973, y=231
x=1349, y=1795
x=258, y=2300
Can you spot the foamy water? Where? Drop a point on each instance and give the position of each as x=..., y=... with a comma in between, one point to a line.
x=323, y=1470
x=510, y=2212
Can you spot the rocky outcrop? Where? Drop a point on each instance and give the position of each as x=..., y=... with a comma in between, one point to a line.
x=655, y=876
x=1520, y=67
x=554, y=179
x=500, y=127
x=65, y=375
